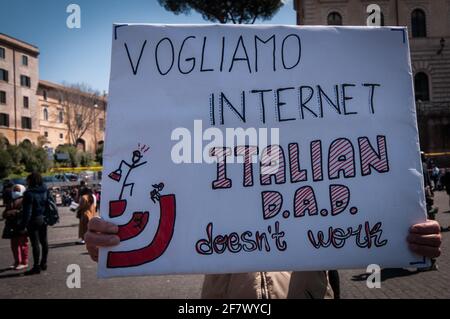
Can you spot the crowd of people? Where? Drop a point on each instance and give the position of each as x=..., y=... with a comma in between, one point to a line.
x=435, y=179
x=25, y=210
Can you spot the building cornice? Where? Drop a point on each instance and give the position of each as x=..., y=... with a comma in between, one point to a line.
x=19, y=44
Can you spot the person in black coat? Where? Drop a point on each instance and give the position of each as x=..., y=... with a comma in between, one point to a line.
x=33, y=220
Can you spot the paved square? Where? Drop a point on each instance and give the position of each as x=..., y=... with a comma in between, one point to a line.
x=396, y=283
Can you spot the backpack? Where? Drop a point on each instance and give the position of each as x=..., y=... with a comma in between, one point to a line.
x=51, y=215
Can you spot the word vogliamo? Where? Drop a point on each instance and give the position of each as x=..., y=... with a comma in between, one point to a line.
x=225, y=54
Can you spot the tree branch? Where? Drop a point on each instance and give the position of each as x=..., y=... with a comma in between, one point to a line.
x=231, y=17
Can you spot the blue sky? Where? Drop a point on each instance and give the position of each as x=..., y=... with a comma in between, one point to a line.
x=82, y=55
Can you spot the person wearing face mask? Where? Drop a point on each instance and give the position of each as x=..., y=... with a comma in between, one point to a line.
x=19, y=240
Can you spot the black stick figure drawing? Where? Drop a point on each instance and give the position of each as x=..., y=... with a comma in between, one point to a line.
x=154, y=194
x=135, y=163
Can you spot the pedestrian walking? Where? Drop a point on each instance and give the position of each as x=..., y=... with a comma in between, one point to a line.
x=98, y=196
x=19, y=241
x=446, y=182
x=74, y=194
x=81, y=190
x=34, y=206
x=86, y=211
x=435, y=176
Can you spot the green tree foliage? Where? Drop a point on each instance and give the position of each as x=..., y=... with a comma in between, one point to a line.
x=75, y=157
x=22, y=158
x=6, y=163
x=235, y=11
x=3, y=142
x=85, y=158
x=99, y=154
x=33, y=157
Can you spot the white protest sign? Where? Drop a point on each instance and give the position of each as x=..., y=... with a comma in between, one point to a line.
x=257, y=148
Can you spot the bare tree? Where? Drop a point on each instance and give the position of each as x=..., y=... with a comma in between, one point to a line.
x=79, y=102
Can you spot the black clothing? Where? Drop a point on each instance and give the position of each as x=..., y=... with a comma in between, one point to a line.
x=34, y=204
x=37, y=231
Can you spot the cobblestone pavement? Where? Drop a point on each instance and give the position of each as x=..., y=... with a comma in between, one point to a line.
x=407, y=283
x=63, y=251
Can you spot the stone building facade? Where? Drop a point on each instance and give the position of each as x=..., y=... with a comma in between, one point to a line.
x=428, y=23
x=31, y=108
x=54, y=112
x=19, y=77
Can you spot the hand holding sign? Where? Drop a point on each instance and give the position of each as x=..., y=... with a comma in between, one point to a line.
x=424, y=239
x=337, y=186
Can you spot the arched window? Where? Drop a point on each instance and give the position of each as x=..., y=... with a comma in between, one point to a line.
x=45, y=114
x=81, y=144
x=60, y=117
x=334, y=18
x=418, y=24
x=421, y=87
x=3, y=142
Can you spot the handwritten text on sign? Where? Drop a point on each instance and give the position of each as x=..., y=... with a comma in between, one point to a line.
x=233, y=149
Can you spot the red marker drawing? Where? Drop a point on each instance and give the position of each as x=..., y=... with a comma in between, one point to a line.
x=160, y=242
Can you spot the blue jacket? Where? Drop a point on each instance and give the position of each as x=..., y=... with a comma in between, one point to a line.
x=34, y=203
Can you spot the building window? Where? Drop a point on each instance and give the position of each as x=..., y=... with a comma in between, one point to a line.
x=3, y=75
x=418, y=24
x=45, y=113
x=46, y=134
x=101, y=124
x=2, y=97
x=81, y=144
x=44, y=94
x=24, y=60
x=60, y=117
x=25, y=81
x=421, y=86
x=26, y=123
x=61, y=135
x=334, y=18
x=2, y=53
x=26, y=102
x=4, y=119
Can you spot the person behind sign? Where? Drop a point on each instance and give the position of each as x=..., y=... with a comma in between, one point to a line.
x=424, y=239
x=81, y=190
